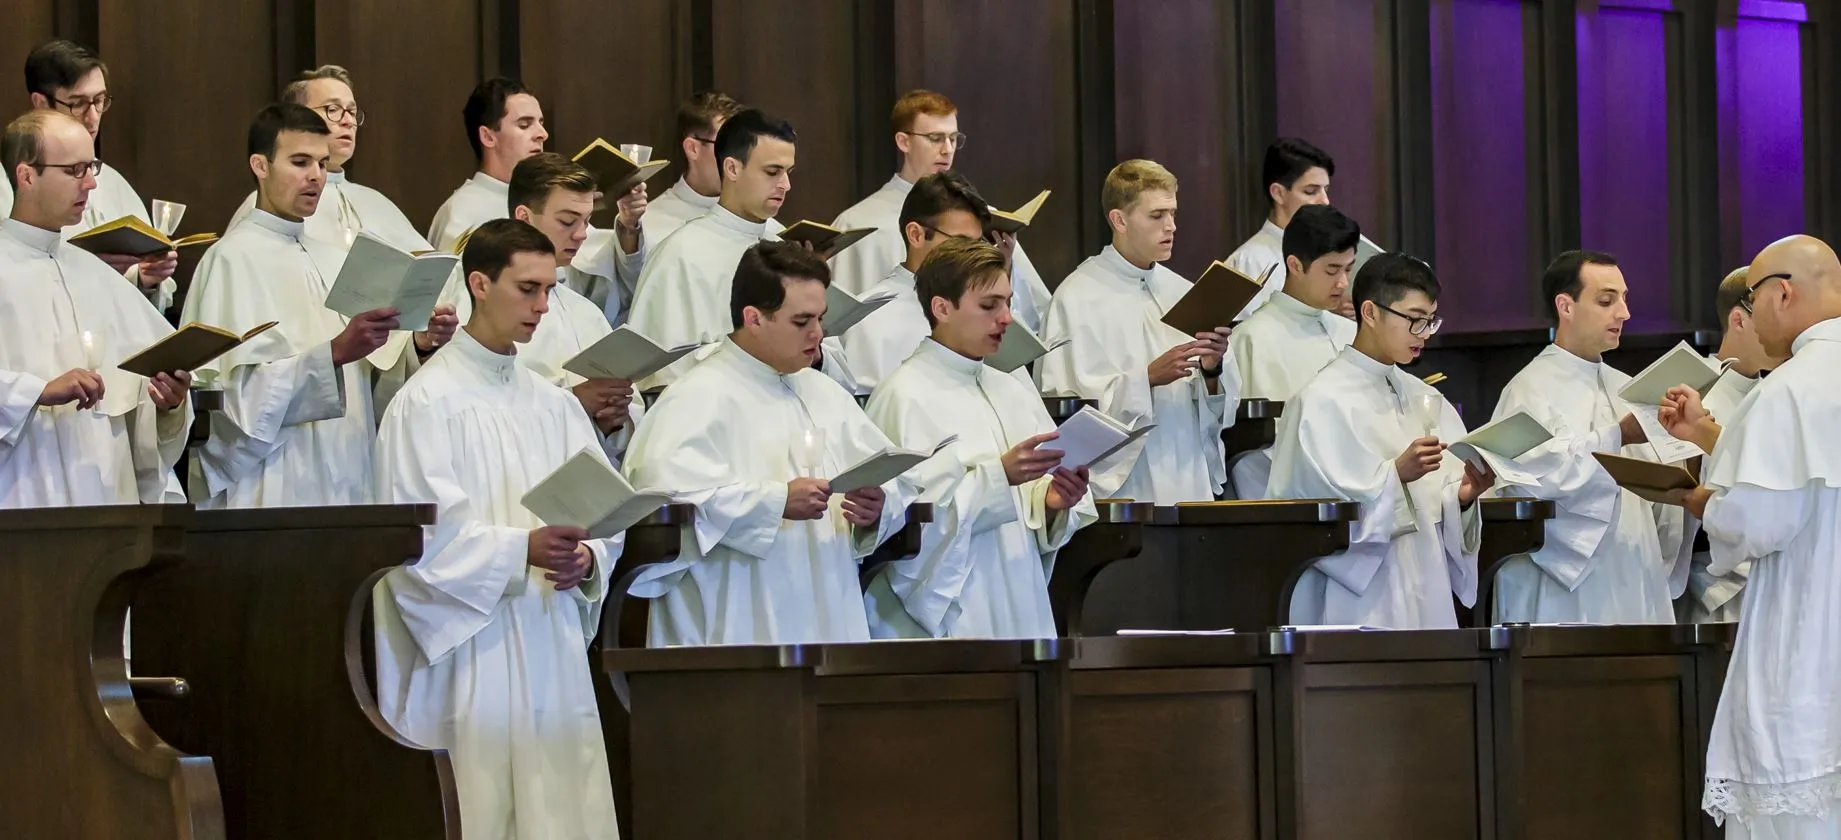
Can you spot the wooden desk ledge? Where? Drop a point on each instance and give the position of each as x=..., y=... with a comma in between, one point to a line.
x=1257, y=512
x=923, y=656
x=1384, y=645
x=1511, y=509
x=1060, y=408
x=1256, y=409
x=1613, y=639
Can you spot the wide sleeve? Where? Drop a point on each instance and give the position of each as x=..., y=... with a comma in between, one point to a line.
x=836, y=364
x=1586, y=499
x=1748, y=522
x=686, y=449
x=859, y=439
x=19, y=393
x=665, y=309
x=1032, y=298
x=468, y=564
x=1317, y=456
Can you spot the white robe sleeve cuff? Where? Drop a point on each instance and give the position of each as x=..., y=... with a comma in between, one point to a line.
x=19, y=393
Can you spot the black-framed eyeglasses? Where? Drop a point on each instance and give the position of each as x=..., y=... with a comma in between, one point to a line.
x=74, y=170
x=335, y=113
x=709, y=140
x=1422, y=327
x=1745, y=302
x=100, y=102
x=941, y=138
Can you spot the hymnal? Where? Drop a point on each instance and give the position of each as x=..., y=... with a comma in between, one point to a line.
x=625, y=354
x=133, y=237
x=188, y=348
x=378, y=276
x=586, y=493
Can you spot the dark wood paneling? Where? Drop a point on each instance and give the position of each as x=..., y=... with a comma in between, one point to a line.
x=178, y=131
x=794, y=60
x=28, y=24
x=1822, y=118
x=1017, y=102
x=608, y=70
x=414, y=61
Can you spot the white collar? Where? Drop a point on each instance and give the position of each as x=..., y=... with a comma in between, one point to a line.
x=960, y=367
x=500, y=368
x=490, y=184
x=747, y=365
x=899, y=185
x=1829, y=330
x=1109, y=258
x=728, y=220
x=689, y=195
x=1366, y=364
x=270, y=221
x=1293, y=308
x=1272, y=230
x=337, y=178
x=35, y=237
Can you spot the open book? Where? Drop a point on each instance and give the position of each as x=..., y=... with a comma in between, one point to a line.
x=1647, y=479
x=1364, y=251
x=586, y=493
x=625, y=354
x=1013, y=221
x=1679, y=366
x=133, y=237
x=1020, y=347
x=1215, y=300
x=883, y=466
x=1495, y=446
x=188, y=348
x=614, y=173
x=1090, y=437
x=825, y=239
x=844, y=310
x=378, y=276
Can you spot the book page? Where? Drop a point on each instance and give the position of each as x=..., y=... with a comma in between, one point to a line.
x=1020, y=347
x=1090, y=436
x=883, y=467
x=625, y=354
x=1679, y=366
x=579, y=494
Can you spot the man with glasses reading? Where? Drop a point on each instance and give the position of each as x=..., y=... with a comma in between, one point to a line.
x=1283, y=344
x=74, y=429
x=1610, y=557
x=1354, y=432
x=927, y=135
x=62, y=76
x=696, y=192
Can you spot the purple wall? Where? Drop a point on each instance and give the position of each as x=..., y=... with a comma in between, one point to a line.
x=1335, y=90
x=1761, y=155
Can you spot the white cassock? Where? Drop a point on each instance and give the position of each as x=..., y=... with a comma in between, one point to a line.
x=571, y=326
x=674, y=208
x=295, y=429
x=1263, y=250
x=1711, y=597
x=477, y=653
x=1774, y=758
x=348, y=208
x=112, y=199
x=1278, y=349
x=1112, y=311
x=683, y=294
x=1605, y=560
x=727, y=438
x=879, y=343
x=986, y=558
x=863, y=265
x=121, y=451
x=1413, y=547
x=482, y=198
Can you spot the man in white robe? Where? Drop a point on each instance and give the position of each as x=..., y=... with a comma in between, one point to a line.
x=482, y=643
x=505, y=125
x=1003, y=504
x=1771, y=494
x=751, y=437
x=1717, y=597
x=1280, y=347
x=1354, y=433
x=1139, y=369
x=1295, y=175
x=297, y=426
x=1606, y=559
x=683, y=294
x=556, y=196
x=62, y=76
x=700, y=117
x=346, y=208
x=74, y=428
x=927, y=135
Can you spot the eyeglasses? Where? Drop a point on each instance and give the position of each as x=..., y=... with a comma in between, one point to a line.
x=1745, y=302
x=335, y=113
x=1422, y=327
x=100, y=102
x=74, y=170
x=941, y=138
x=710, y=140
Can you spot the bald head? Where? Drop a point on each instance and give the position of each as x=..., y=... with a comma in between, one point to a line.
x=45, y=154
x=1795, y=283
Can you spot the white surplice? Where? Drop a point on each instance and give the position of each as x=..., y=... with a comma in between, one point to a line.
x=121, y=451
x=1711, y=597
x=1112, y=311
x=1278, y=349
x=477, y=653
x=482, y=198
x=986, y=558
x=1413, y=547
x=295, y=429
x=112, y=199
x=348, y=208
x=727, y=438
x=1774, y=759
x=683, y=294
x=674, y=208
x=1263, y=250
x=863, y=265
x=879, y=343
x=1605, y=560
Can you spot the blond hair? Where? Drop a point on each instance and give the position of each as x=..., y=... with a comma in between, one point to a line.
x=1129, y=181
x=296, y=91
x=535, y=177
x=954, y=267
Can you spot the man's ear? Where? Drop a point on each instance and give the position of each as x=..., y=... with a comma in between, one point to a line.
x=1276, y=192
x=477, y=281
x=940, y=307
x=1294, y=265
x=731, y=169
x=259, y=164
x=1116, y=220
x=522, y=213
x=751, y=317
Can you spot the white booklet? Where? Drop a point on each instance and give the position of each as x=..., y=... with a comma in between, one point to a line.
x=625, y=354
x=378, y=276
x=1020, y=347
x=586, y=493
x=1679, y=366
x=1226, y=631
x=882, y=467
x=1090, y=437
x=844, y=310
x=1495, y=446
